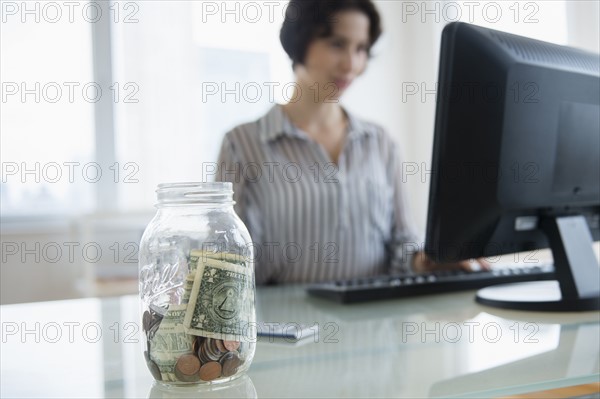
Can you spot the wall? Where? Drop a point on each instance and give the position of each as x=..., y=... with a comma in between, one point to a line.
x=60, y=259
x=407, y=56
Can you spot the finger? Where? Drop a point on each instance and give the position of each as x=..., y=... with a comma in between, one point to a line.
x=464, y=265
x=484, y=264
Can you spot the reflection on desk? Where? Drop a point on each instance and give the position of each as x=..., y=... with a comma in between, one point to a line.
x=241, y=387
x=443, y=345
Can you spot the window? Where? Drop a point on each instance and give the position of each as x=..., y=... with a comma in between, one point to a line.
x=48, y=94
x=181, y=74
x=201, y=67
x=542, y=20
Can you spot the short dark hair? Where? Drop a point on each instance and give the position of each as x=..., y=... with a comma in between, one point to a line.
x=306, y=20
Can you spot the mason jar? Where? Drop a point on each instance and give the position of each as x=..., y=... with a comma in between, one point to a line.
x=196, y=283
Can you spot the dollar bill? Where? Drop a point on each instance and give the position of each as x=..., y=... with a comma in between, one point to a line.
x=193, y=259
x=197, y=254
x=170, y=342
x=221, y=304
x=187, y=288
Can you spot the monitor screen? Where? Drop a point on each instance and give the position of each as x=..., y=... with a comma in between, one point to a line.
x=516, y=157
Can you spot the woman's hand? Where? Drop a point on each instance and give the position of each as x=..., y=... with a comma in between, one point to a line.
x=421, y=263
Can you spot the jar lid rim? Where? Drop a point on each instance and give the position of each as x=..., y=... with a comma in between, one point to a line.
x=196, y=185
x=199, y=193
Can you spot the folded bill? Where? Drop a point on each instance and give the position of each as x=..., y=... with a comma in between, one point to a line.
x=221, y=303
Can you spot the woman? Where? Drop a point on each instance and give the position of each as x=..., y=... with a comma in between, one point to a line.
x=318, y=188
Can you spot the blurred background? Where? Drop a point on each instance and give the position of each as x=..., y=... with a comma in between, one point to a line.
x=103, y=100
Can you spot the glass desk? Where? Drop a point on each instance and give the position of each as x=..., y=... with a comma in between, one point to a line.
x=436, y=346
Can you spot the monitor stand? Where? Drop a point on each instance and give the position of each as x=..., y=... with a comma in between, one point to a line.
x=576, y=269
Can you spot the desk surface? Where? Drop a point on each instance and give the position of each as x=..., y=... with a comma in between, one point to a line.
x=442, y=345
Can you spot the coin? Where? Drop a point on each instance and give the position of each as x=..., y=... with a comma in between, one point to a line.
x=153, y=323
x=231, y=345
x=154, y=370
x=157, y=310
x=153, y=330
x=146, y=321
x=188, y=364
x=202, y=355
x=210, y=371
x=196, y=345
x=211, y=349
x=220, y=346
x=187, y=368
x=155, y=319
x=230, y=363
x=186, y=378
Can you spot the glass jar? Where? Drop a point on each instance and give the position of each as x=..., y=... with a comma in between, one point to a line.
x=197, y=286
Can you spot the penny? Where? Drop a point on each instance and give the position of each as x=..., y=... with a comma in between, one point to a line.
x=210, y=371
x=188, y=365
x=231, y=345
x=230, y=363
x=215, y=351
x=220, y=346
x=186, y=378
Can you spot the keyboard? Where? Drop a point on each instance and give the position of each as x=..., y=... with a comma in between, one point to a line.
x=408, y=285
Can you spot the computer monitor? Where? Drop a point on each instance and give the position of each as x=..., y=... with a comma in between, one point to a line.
x=516, y=162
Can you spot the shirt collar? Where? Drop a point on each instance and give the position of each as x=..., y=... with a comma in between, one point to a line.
x=276, y=123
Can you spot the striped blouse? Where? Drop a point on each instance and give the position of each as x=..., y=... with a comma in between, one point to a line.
x=310, y=219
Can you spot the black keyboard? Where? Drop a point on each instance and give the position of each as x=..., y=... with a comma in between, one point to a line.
x=407, y=285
